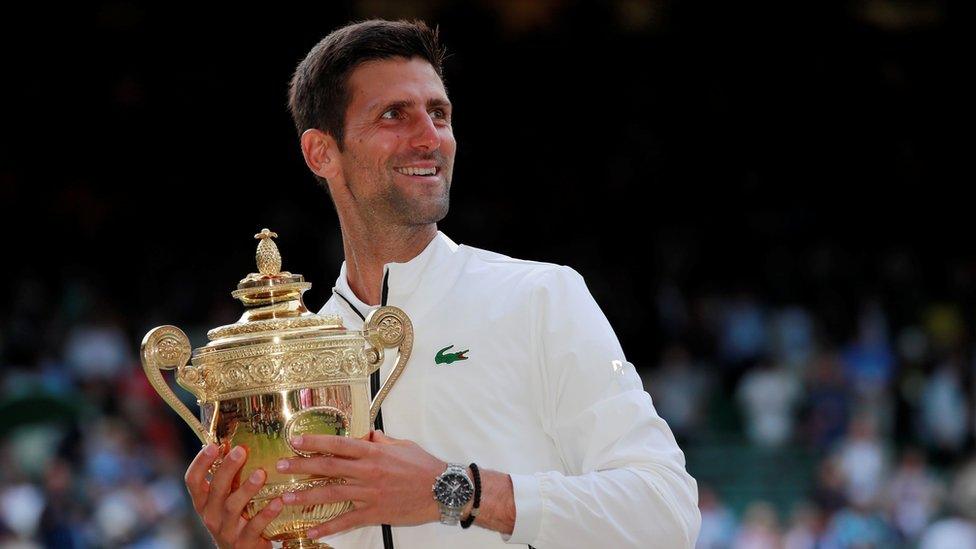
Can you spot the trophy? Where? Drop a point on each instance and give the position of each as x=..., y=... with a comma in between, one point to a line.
x=279, y=372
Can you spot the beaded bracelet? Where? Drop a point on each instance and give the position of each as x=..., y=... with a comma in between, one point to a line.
x=466, y=523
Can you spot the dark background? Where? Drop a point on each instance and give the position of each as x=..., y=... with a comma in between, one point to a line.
x=680, y=155
x=149, y=143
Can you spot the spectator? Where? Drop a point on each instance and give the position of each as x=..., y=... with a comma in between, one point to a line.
x=862, y=461
x=805, y=528
x=742, y=332
x=768, y=396
x=957, y=530
x=912, y=496
x=829, y=493
x=760, y=528
x=869, y=363
x=858, y=526
x=963, y=496
x=679, y=388
x=718, y=523
x=59, y=520
x=944, y=409
x=949, y=533
x=826, y=402
x=792, y=338
x=97, y=350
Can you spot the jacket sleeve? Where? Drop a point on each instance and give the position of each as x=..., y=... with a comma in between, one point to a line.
x=625, y=483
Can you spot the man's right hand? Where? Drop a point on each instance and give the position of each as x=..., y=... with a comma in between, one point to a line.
x=222, y=509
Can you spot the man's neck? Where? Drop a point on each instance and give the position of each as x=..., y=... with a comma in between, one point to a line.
x=366, y=253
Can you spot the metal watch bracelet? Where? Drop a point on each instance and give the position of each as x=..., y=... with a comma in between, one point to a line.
x=451, y=513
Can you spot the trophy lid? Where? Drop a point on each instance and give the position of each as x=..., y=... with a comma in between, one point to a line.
x=273, y=305
x=278, y=344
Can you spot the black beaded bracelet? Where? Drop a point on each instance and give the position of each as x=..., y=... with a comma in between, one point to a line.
x=466, y=523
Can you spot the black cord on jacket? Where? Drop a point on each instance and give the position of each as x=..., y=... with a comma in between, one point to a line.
x=374, y=387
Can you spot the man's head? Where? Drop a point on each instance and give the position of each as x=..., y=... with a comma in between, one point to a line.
x=370, y=106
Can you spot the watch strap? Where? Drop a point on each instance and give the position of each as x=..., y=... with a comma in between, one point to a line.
x=451, y=515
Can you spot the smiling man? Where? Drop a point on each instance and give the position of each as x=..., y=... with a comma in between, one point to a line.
x=536, y=429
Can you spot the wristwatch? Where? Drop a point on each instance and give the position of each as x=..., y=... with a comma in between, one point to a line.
x=452, y=490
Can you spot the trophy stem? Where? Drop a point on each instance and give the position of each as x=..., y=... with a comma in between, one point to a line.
x=304, y=543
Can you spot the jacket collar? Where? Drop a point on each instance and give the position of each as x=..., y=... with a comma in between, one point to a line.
x=405, y=278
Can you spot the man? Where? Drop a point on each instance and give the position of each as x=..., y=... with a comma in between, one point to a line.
x=514, y=366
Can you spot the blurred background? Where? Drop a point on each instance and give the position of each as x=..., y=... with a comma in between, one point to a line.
x=761, y=196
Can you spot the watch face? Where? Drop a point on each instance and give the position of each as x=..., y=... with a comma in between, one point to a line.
x=453, y=490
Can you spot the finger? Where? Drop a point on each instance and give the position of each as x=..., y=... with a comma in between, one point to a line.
x=332, y=493
x=222, y=479
x=329, y=466
x=196, y=476
x=332, y=444
x=236, y=502
x=251, y=534
x=380, y=437
x=345, y=521
x=220, y=485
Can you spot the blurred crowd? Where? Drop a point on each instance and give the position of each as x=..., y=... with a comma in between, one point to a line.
x=886, y=413
x=92, y=457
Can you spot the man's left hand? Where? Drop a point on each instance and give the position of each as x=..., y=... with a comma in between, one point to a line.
x=387, y=479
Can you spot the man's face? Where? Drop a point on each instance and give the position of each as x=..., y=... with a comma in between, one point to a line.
x=399, y=147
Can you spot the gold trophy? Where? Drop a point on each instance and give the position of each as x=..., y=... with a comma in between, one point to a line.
x=278, y=372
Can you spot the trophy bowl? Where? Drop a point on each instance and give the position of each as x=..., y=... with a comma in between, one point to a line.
x=278, y=372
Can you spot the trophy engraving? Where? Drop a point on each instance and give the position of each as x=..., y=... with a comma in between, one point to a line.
x=318, y=420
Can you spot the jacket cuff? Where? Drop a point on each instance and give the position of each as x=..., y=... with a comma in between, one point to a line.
x=528, y=509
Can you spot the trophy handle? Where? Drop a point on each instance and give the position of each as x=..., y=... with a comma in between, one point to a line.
x=166, y=348
x=388, y=327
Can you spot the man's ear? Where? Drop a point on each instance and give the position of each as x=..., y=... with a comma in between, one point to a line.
x=321, y=154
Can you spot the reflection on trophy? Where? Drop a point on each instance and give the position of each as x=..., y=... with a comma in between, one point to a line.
x=278, y=372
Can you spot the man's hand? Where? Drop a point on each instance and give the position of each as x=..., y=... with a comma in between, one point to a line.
x=222, y=509
x=388, y=480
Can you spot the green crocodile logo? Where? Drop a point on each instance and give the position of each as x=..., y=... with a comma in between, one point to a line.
x=446, y=358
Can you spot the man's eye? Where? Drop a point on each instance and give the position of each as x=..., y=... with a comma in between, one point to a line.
x=441, y=114
x=391, y=114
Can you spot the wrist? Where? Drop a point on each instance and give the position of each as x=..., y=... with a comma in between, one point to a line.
x=497, y=509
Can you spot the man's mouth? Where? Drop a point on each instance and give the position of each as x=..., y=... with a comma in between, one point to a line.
x=418, y=171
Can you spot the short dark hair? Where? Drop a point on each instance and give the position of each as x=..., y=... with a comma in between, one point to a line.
x=318, y=95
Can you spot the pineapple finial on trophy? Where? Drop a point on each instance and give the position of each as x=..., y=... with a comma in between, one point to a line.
x=268, y=257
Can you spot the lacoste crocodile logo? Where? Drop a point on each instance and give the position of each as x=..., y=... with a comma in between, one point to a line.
x=446, y=358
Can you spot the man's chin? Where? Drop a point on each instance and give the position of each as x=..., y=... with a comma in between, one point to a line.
x=410, y=212
x=433, y=217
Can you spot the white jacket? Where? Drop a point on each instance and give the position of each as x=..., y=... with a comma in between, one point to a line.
x=544, y=394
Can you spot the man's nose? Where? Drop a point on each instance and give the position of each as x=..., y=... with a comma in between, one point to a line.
x=425, y=134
